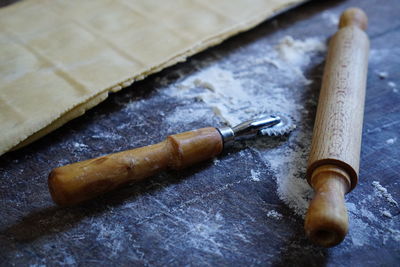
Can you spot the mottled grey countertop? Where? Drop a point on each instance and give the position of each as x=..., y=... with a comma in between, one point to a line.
x=226, y=211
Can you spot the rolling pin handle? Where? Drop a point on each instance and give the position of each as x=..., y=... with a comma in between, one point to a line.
x=353, y=17
x=77, y=182
x=327, y=222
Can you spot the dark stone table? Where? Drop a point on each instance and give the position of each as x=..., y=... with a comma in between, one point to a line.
x=212, y=214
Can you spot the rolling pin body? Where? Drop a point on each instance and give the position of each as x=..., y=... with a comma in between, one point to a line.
x=84, y=180
x=335, y=151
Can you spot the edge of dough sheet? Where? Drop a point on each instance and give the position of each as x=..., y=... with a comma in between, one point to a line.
x=91, y=101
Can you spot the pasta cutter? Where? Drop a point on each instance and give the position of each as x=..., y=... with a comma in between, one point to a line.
x=77, y=182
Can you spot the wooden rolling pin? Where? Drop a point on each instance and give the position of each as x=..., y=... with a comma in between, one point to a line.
x=335, y=151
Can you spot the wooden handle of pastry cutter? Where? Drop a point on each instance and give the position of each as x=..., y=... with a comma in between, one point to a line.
x=335, y=152
x=84, y=180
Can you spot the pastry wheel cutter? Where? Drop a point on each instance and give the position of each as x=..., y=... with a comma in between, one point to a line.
x=77, y=182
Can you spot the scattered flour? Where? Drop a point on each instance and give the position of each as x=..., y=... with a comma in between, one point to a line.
x=382, y=74
x=393, y=86
x=351, y=207
x=232, y=99
x=110, y=236
x=367, y=214
x=377, y=55
x=391, y=141
x=386, y=213
x=395, y=234
x=105, y=135
x=236, y=96
x=228, y=98
x=203, y=233
x=296, y=52
x=80, y=146
x=289, y=163
x=69, y=260
x=382, y=192
x=274, y=214
x=221, y=91
x=255, y=175
x=362, y=233
x=193, y=112
x=386, y=229
x=332, y=18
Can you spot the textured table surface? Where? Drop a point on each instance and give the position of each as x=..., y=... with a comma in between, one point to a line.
x=218, y=212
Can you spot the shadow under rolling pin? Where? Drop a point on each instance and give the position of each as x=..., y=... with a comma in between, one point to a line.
x=335, y=151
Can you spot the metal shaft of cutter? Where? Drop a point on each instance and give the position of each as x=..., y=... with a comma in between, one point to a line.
x=248, y=128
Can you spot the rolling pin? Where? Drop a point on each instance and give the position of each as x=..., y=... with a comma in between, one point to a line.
x=335, y=150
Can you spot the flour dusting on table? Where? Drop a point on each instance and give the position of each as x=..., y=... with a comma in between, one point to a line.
x=274, y=214
x=255, y=175
x=331, y=17
x=235, y=96
x=297, y=53
x=391, y=141
x=382, y=192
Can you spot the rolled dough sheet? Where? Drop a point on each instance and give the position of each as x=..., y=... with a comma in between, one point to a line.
x=60, y=58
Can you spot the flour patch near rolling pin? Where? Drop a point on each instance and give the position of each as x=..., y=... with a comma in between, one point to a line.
x=255, y=175
x=391, y=141
x=274, y=214
x=80, y=146
x=229, y=94
x=383, y=192
x=296, y=52
x=219, y=89
x=393, y=86
x=289, y=165
x=368, y=227
x=235, y=96
x=192, y=113
x=331, y=17
x=382, y=74
x=361, y=231
x=111, y=236
x=386, y=213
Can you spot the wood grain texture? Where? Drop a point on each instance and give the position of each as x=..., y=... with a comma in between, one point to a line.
x=84, y=180
x=327, y=221
x=335, y=150
x=339, y=120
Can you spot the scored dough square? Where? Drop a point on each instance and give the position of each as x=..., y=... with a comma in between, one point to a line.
x=77, y=52
x=43, y=84
x=239, y=10
x=192, y=25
